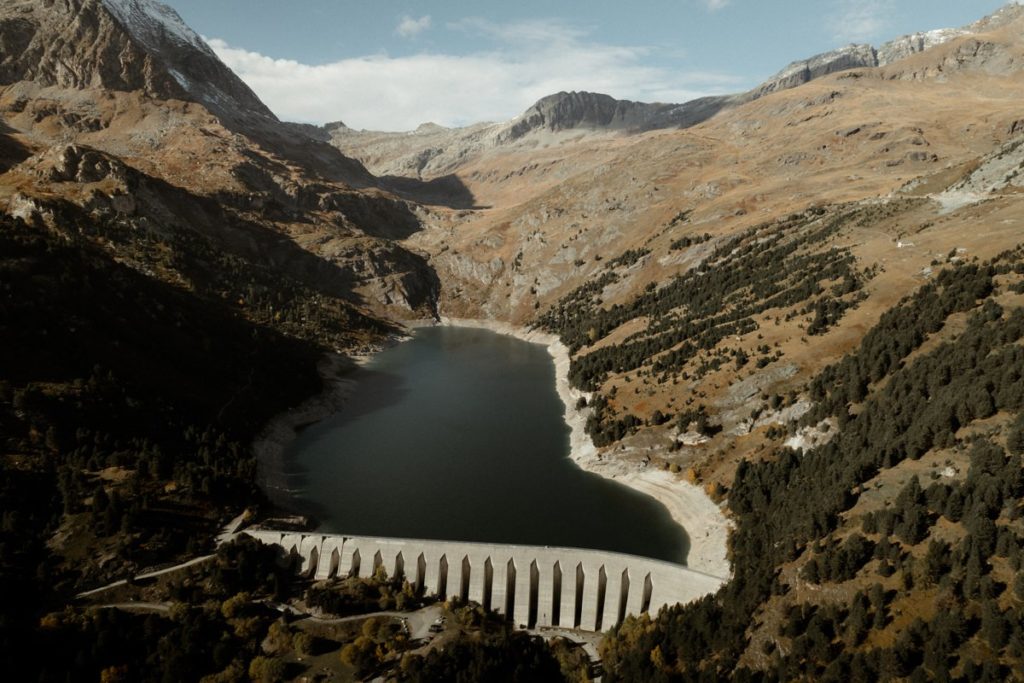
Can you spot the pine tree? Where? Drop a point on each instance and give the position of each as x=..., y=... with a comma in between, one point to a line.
x=1015, y=439
x=994, y=628
x=935, y=562
x=857, y=621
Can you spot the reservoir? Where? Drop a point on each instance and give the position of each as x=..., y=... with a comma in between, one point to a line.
x=458, y=435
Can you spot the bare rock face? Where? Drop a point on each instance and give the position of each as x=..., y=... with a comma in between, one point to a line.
x=989, y=46
x=805, y=70
x=79, y=164
x=395, y=278
x=122, y=45
x=908, y=45
x=866, y=56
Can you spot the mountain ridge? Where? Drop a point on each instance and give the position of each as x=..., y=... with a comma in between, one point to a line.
x=139, y=94
x=435, y=151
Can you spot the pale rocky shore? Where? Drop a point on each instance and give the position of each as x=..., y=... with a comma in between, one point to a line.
x=276, y=436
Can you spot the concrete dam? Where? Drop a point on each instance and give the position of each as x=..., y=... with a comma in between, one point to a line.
x=533, y=586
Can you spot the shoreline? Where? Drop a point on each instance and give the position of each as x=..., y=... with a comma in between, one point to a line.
x=702, y=519
x=270, y=444
x=687, y=504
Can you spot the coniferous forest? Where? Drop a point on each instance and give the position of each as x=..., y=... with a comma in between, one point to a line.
x=926, y=586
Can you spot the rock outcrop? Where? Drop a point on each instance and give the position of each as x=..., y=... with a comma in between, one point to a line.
x=911, y=44
x=587, y=110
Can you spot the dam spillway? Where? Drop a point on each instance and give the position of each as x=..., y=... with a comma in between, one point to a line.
x=533, y=586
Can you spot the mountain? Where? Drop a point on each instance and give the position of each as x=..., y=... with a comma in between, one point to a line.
x=866, y=56
x=176, y=267
x=143, y=47
x=194, y=149
x=127, y=45
x=809, y=304
x=431, y=152
x=568, y=111
x=803, y=71
x=165, y=239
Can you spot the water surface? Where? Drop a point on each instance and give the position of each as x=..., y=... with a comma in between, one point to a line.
x=458, y=435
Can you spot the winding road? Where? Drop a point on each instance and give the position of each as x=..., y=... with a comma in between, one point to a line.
x=229, y=532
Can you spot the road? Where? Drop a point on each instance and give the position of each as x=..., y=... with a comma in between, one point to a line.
x=419, y=621
x=162, y=608
x=228, y=533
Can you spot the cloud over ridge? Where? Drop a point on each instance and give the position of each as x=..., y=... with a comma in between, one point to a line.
x=528, y=60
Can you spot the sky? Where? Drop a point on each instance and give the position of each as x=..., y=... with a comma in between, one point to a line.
x=392, y=65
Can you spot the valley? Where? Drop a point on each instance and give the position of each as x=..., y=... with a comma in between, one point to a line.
x=791, y=315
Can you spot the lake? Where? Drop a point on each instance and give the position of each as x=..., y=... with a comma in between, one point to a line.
x=458, y=435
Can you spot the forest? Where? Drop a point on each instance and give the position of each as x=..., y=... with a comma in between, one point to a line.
x=925, y=588
x=774, y=269
x=127, y=410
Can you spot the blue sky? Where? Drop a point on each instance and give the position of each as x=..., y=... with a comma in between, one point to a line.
x=390, y=65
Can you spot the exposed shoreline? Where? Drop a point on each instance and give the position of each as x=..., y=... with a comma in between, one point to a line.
x=272, y=442
x=703, y=521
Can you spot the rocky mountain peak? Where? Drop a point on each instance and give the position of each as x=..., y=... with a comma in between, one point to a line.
x=907, y=45
x=804, y=70
x=430, y=127
x=128, y=45
x=858, y=56
x=1007, y=14
x=155, y=24
x=570, y=110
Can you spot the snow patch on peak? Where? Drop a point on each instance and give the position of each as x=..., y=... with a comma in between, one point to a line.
x=181, y=79
x=153, y=23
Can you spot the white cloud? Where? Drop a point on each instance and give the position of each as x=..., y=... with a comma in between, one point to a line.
x=715, y=5
x=409, y=27
x=859, y=21
x=530, y=60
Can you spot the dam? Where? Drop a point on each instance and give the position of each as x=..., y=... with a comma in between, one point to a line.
x=533, y=586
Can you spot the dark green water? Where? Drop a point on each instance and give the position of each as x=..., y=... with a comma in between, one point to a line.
x=458, y=435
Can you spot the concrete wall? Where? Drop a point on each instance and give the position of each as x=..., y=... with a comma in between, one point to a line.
x=534, y=586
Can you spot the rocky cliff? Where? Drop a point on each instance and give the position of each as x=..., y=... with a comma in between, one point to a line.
x=911, y=44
